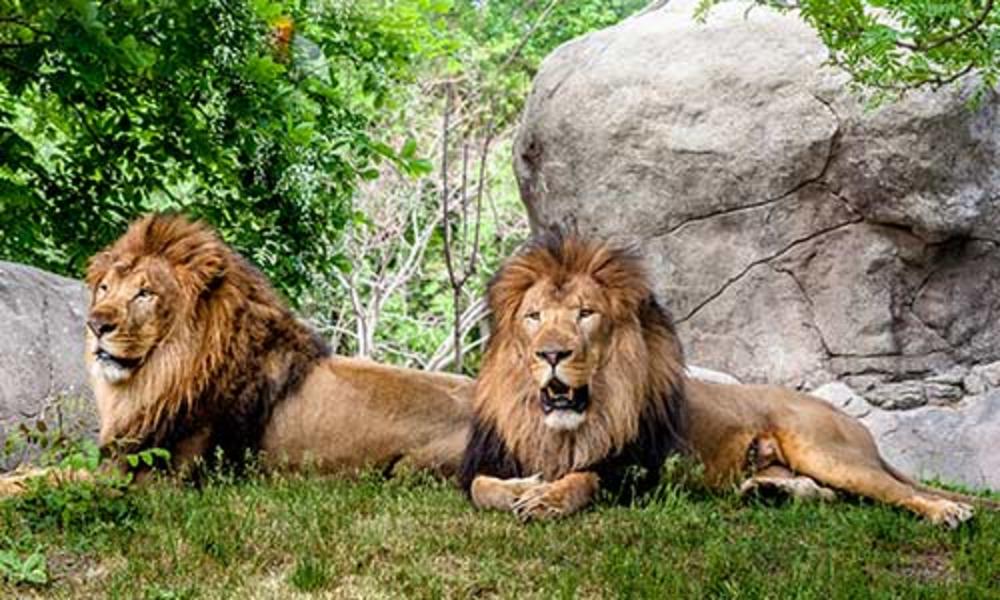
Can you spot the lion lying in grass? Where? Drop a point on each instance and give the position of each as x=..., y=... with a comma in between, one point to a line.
x=583, y=389
x=190, y=350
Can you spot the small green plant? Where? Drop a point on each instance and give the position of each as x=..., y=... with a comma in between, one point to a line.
x=82, y=503
x=148, y=457
x=51, y=436
x=31, y=570
x=77, y=505
x=310, y=574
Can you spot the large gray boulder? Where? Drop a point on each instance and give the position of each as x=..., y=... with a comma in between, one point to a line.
x=42, y=371
x=797, y=237
x=953, y=444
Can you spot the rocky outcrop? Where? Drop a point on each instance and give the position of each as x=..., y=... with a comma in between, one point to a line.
x=953, y=444
x=41, y=350
x=798, y=237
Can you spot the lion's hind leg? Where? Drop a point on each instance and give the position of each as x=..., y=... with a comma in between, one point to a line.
x=853, y=470
x=781, y=481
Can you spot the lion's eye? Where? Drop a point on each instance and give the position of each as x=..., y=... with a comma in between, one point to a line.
x=103, y=287
x=585, y=312
x=533, y=316
x=143, y=293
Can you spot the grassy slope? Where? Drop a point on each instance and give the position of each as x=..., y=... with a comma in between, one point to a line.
x=298, y=537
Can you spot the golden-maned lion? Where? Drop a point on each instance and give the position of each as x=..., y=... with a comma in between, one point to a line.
x=583, y=388
x=191, y=350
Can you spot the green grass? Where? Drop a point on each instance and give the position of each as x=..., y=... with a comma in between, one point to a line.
x=288, y=537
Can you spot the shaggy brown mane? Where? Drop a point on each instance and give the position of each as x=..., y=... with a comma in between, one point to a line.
x=638, y=416
x=234, y=352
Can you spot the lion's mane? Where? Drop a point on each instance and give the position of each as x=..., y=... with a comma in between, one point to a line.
x=235, y=352
x=637, y=415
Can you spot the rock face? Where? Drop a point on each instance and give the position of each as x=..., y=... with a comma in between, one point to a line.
x=797, y=237
x=954, y=444
x=41, y=349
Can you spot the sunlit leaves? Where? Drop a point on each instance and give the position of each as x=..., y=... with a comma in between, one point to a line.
x=890, y=46
x=110, y=109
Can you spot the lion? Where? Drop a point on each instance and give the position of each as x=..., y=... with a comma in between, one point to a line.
x=190, y=349
x=583, y=388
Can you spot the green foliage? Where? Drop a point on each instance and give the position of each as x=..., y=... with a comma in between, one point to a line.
x=485, y=55
x=73, y=504
x=54, y=437
x=502, y=43
x=148, y=457
x=32, y=569
x=254, y=114
x=79, y=505
x=257, y=115
x=891, y=46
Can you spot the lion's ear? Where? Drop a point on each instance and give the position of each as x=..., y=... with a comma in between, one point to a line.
x=203, y=269
x=97, y=268
x=507, y=289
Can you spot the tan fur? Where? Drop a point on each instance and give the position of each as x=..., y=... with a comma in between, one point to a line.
x=203, y=348
x=355, y=413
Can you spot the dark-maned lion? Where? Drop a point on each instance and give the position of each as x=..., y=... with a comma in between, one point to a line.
x=190, y=350
x=581, y=387
x=583, y=382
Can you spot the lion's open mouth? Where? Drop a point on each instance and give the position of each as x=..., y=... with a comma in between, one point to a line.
x=121, y=362
x=558, y=396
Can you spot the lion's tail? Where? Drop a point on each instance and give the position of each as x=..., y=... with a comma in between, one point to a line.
x=988, y=503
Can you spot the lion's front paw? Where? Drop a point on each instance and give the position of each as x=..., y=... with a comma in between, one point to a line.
x=543, y=501
x=12, y=485
x=522, y=485
x=950, y=514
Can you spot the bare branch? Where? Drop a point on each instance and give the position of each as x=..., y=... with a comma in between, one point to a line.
x=446, y=221
x=474, y=256
x=360, y=313
x=444, y=354
x=415, y=256
x=465, y=197
x=527, y=36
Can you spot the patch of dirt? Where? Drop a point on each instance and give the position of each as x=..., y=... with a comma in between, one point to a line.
x=927, y=566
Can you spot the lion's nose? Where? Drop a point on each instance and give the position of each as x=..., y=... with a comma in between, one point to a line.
x=554, y=357
x=101, y=325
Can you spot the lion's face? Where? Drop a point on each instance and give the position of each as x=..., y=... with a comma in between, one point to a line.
x=133, y=308
x=566, y=331
x=580, y=357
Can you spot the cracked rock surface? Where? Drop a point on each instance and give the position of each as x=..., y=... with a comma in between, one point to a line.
x=797, y=237
x=41, y=349
x=955, y=444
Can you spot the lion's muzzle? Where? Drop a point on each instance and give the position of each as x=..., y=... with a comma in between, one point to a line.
x=558, y=396
x=563, y=407
x=113, y=369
